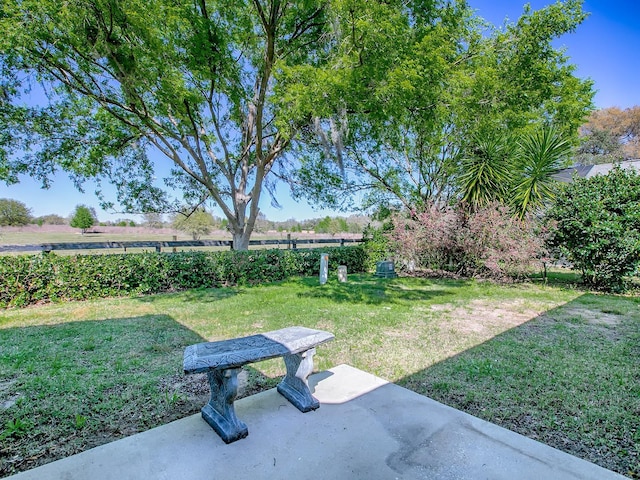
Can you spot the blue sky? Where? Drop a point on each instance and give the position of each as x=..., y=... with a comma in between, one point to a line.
x=605, y=48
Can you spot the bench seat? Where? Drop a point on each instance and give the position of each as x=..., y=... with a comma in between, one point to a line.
x=223, y=360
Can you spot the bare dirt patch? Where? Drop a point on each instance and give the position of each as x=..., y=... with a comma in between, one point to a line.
x=441, y=330
x=7, y=401
x=483, y=317
x=402, y=333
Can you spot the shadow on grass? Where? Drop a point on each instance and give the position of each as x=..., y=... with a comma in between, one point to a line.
x=199, y=295
x=72, y=386
x=69, y=387
x=560, y=277
x=361, y=288
x=567, y=378
x=369, y=289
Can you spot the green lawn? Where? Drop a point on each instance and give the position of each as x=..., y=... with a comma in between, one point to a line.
x=556, y=364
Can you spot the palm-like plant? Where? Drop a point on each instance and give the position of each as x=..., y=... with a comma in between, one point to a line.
x=539, y=156
x=486, y=171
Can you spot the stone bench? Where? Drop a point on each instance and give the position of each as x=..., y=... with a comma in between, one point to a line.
x=223, y=360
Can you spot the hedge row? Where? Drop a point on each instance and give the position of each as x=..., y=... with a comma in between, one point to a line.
x=29, y=279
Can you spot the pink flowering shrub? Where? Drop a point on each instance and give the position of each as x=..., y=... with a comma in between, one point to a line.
x=489, y=242
x=426, y=239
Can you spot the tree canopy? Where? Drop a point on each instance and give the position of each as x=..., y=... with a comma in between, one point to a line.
x=83, y=218
x=14, y=213
x=222, y=98
x=191, y=82
x=443, y=90
x=609, y=135
x=196, y=224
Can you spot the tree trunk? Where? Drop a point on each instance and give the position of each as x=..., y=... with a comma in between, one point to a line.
x=241, y=240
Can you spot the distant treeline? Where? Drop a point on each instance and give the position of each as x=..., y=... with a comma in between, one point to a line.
x=16, y=213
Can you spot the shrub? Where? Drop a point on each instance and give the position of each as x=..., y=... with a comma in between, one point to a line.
x=28, y=279
x=489, y=242
x=493, y=243
x=596, y=225
x=427, y=239
x=377, y=245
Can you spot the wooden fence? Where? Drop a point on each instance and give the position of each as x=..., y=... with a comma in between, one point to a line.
x=171, y=246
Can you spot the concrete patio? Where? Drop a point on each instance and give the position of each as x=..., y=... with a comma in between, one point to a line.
x=365, y=428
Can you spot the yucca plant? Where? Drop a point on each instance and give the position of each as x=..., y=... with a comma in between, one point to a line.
x=487, y=170
x=539, y=156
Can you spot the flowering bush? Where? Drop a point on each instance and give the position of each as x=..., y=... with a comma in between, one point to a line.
x=489, y=242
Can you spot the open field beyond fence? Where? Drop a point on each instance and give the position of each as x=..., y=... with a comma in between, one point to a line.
x=65, y=240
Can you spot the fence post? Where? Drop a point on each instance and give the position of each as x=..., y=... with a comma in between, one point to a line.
x=158, y=248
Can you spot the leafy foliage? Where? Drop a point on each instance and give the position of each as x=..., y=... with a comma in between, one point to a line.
x=609, y=135
x=29, y=279
x=51, y=219
x=486, y=171
x=377, y=244
x=541, y=154
x=397, y=93
x=332, y=225
x=436, y=96
x=193, y=81
x=596, y=225
x=14, y=213
x=195, y=223
x=516, y=171
x=82, y=218
x=487, y=242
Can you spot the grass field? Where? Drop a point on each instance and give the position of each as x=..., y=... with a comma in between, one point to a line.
x=556, y=364
x=35, y=235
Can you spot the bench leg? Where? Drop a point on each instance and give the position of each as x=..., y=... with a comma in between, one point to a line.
x=219, y=412
x=294, y=387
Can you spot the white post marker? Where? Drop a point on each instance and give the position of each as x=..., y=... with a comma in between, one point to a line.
x=324, y=268
x=342, y=273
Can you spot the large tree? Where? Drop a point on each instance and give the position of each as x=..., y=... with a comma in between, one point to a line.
x=455, y=96
x=190, y=82
x=83, y=217
x=196, y=223
x=394, y=92
x=609, y=135
x=14, y=213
